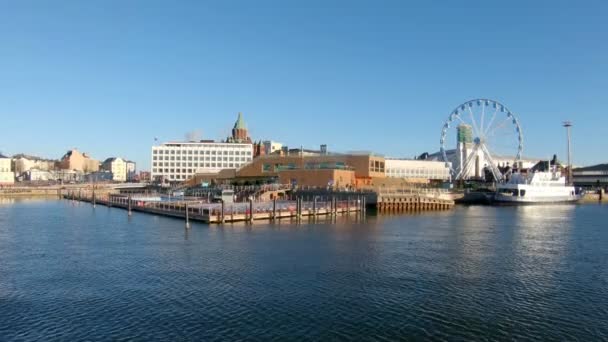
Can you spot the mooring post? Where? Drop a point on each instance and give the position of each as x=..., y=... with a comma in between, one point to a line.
x=129, y=204
x=274, y=208
x=93, y=198
x=364, y=205
x=298, y=207
x=222, y=213
x=348, y=205
x=314, y=206
x=187, y=217
x=250, y=210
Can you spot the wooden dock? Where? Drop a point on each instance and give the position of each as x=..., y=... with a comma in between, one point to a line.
x=195, y=210
x=396, y=201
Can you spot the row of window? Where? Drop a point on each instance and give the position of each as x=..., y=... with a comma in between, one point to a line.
x=190, y=152
x=200, y=158
x=193, y=170
x=237, y=164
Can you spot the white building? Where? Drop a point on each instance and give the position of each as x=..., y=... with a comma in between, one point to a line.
x=7, y=176
x=416, y=169
x=37, y=175
x=178, y=161
x=118, y=167
x=23, y=163
x=131, y=170
x=272, y=146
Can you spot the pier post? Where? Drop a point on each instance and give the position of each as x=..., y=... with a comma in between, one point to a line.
x=250, y=210
x=94, y=199
x=187, y=217
x=348, y=205
x=314, y=206
x=299, y=207
x=129, y=205
x=274, y=208
x=222, y=213
x=364, y=207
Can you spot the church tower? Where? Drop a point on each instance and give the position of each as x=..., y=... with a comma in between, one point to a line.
x=240, y=134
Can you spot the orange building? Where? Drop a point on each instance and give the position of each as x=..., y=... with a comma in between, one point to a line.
x=75, y=160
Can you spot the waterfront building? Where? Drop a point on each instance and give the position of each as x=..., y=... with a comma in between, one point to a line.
x=69, y=176
x=77, y=161
x=7, y=176
x=118, y=168
x=99, y=176
x=591, y=176
x=23, y=163
x=420, y=171
x=306, y=169
x=179, y=161
x=37, y=175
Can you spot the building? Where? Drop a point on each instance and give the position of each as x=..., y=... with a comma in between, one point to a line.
x=131, y=171
x=37, y=175
x=7, y=176
x=23, y=163
x=179, y=161
x=306, y=169
x=99, y=176
x=143, y=176
x=77, y=161
x=591, y=176
x=420, y=171
x=271, y=147
x=69, y=176
x=240, y=134
x=118, y=168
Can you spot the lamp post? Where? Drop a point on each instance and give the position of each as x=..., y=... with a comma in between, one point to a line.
x=568, y=124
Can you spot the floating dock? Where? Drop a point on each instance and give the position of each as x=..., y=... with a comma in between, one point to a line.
x=197, y=210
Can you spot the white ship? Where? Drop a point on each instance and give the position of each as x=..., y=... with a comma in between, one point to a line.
x=536, y=187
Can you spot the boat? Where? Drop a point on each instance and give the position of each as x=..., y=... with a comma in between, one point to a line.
x=536, y=187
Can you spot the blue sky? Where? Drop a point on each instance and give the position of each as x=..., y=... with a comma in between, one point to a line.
x=109, y=76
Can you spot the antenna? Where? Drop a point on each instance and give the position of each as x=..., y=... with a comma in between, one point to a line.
x=568, y=124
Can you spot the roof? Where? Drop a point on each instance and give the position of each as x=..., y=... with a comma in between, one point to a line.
x=598, y=167
x=240, y=123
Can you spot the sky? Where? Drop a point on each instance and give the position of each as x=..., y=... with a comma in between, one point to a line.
x=107, y=77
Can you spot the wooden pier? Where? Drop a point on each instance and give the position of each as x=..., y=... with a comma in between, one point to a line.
x=407, y=200
x=196, y=210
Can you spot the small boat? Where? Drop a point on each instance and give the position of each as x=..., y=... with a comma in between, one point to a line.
x=536, y=187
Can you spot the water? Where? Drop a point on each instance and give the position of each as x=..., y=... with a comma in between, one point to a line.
x=69, y=272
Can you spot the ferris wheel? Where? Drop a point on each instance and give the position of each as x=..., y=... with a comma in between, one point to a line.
x=486, y=131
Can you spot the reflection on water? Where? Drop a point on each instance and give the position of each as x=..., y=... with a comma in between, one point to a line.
x=71, y=272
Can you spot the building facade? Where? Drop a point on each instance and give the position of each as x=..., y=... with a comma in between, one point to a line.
x=417, y=170
x=271, y=147
x=77, y=161
x=118, y=168
x=7, y=176
x=179, y=161
x=131, y=171
x=591, y=176
x=23, y=163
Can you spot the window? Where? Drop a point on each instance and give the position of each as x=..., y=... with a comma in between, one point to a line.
x=266, y=168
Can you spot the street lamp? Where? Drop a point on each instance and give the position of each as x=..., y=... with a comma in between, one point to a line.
x=568, y=124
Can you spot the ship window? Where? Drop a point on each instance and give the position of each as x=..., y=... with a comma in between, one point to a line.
x=522, y=193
